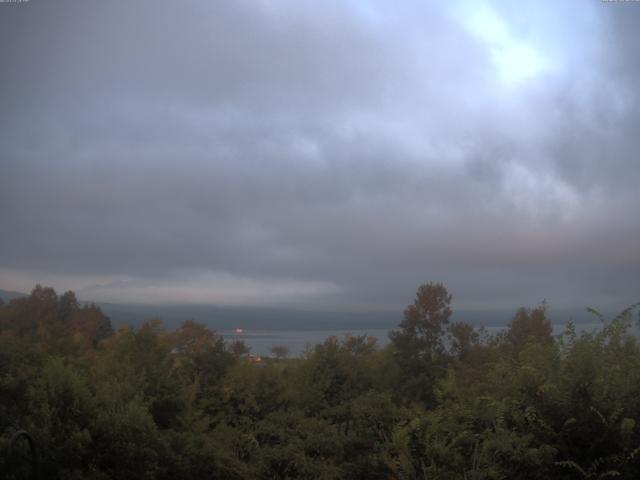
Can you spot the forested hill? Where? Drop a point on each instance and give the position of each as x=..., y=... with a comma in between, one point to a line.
x=7, y=295
x=442, y=400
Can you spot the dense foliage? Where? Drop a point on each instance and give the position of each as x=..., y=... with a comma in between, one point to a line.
x=442, y=401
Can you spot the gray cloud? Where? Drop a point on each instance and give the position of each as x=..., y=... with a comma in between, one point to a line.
x=339, y=153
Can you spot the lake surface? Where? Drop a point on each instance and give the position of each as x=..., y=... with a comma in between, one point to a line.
x=297, y=341
x=265, y=328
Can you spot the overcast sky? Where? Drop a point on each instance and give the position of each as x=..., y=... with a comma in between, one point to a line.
x=331, y=154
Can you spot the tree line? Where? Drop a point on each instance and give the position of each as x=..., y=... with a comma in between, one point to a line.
x=442, y=400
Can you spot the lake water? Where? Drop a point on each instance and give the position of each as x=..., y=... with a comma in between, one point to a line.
x=297, y=341
x=265, y=328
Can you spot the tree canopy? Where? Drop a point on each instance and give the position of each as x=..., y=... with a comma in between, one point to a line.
x=442, y=400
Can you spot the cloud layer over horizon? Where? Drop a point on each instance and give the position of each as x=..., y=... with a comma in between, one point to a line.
x=332, y=153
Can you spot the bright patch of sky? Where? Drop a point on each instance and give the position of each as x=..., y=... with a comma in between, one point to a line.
x=516, y=59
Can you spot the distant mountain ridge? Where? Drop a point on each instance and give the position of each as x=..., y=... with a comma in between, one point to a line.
x=8, y=295
x=265, y=318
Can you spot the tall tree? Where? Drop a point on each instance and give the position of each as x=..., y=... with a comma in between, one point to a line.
x=529, y=326
x=419, y=342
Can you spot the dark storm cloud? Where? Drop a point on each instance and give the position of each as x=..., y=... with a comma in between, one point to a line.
x=343, y=152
